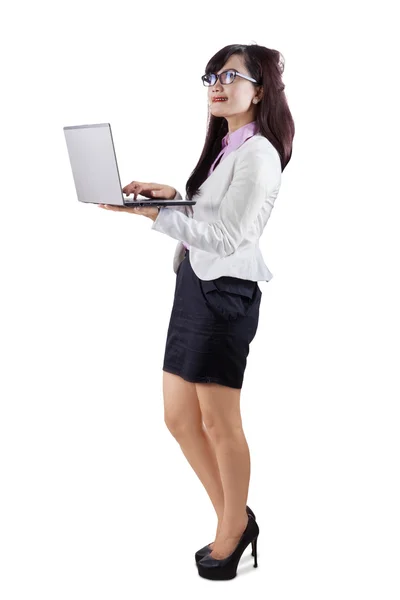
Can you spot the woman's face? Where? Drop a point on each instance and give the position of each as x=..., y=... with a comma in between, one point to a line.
x=239, y=94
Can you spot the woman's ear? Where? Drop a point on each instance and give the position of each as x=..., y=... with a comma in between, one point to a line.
x=258, y=97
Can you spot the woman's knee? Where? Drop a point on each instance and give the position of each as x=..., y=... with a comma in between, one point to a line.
x=220, y=409
x=220, y=429
x=181, y=406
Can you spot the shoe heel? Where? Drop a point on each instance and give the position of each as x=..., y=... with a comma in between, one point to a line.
x=254, y=551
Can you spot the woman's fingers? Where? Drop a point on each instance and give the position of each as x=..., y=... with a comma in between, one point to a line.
x=150, y=190
x=139, y=187
x=128, y=189
x=132, y=187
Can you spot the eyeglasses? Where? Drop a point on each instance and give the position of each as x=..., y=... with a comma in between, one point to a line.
x=225, y=77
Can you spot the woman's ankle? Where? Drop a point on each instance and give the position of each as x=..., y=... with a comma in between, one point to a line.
x=233, y=527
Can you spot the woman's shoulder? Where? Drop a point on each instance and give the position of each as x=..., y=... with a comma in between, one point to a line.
x=258, y=146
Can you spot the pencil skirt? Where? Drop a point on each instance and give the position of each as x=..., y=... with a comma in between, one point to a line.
x=211, y=327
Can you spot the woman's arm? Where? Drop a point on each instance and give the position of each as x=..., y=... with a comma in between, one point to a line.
x=186, y=210
x=256, y=181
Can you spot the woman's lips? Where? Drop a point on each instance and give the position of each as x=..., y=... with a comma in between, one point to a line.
x=220, y=100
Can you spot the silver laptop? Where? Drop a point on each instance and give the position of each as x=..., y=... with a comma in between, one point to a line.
x=95, y=168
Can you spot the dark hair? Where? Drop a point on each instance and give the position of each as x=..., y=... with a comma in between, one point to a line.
x=273, y=116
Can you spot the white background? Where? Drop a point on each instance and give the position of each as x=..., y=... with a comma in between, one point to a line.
x=97, y=499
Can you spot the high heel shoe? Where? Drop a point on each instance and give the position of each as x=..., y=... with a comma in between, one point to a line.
x=206, y=549
x=212, y=568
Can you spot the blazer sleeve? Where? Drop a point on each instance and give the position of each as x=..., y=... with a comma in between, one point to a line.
x=256, y=179
x=186, y=210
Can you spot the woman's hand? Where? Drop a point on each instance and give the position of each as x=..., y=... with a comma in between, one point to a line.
x=150, y=190
x=147, y=211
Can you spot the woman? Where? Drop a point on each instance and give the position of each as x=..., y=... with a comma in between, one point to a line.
x=216, y=304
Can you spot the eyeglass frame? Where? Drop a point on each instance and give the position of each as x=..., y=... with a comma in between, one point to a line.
x=226, y=71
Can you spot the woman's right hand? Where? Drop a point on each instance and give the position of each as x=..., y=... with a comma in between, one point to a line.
x=150, y=190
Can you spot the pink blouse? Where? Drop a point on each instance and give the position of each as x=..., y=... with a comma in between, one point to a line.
x=232, y=141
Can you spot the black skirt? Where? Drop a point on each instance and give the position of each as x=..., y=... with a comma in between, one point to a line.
x=211, y=327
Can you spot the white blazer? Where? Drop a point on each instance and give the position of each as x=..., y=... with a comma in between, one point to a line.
x=223, y=229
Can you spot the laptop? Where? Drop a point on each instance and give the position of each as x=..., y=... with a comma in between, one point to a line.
x=95, y=168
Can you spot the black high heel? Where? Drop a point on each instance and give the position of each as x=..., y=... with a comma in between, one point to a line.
x=206, y=549
x=212, y=568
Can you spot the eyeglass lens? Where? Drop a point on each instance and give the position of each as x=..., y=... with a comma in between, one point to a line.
x=225, y=78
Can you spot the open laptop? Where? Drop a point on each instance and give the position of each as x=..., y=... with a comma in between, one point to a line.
x=95, y=169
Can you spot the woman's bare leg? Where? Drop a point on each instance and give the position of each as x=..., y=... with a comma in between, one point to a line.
x=183, y=417
x=220, y=408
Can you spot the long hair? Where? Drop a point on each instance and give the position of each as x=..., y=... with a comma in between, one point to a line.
x=273, y=116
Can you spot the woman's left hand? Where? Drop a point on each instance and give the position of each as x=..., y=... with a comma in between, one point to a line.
x=147, y=211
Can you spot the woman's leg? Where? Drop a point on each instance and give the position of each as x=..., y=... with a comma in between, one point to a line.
x=183, y=418
x=220, y=408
